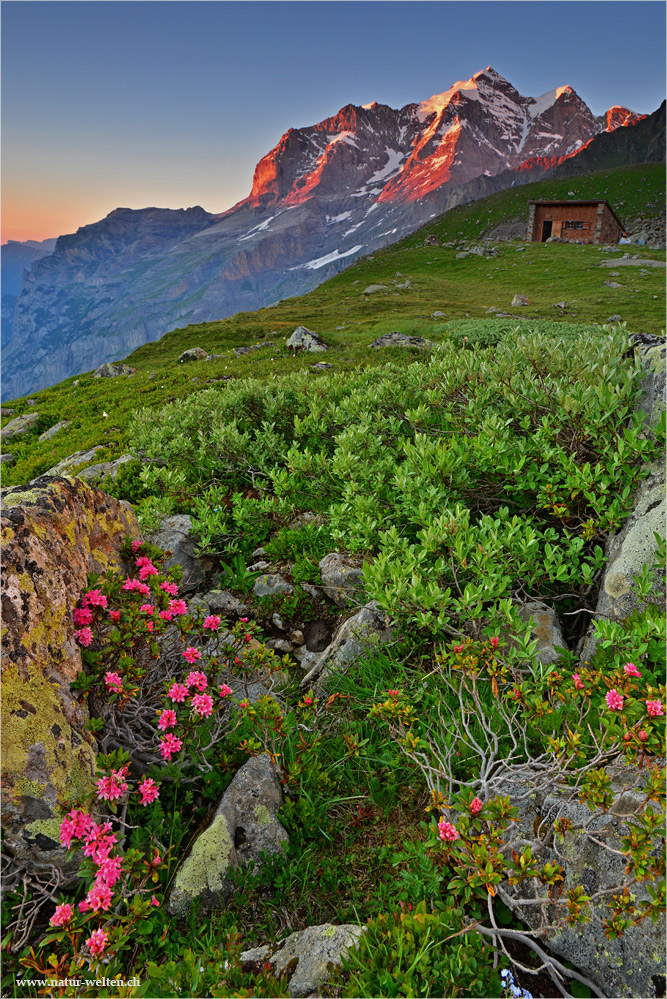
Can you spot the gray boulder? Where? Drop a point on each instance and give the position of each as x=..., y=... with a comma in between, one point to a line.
x=73, y=460
x=373, y=288
x=611, y=284
x=244, y=826
x=342, y=576
x=96, y=474
x=401, y=340
x=304, y=339
x=613, y=319
x=7, y=459
x=313, y=950
x=635, y=545
x=6, y=411
x=545, y=630
x=633, y=964
x=369, y=627
x=19, y=425
x=225, y=603
x=321, y=366
x=52, y=431
x=193, y=354
x=113, y=370
x=270, y=584
x=175, y=535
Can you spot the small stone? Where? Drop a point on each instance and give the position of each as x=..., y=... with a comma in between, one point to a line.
x=611, y=284
x=193, y=354
x=225, y=603
x=7, y=459
x=268, y=585
x=259, y=566
x=613, y=319
x=321, y=366
x=7, y=412
x=297, y=637
x=520, y=300
x=438, y=315
x=280, y=645
x=373, y=288
x=113, y=371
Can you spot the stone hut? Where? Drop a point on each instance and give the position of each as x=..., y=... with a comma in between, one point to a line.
x=575, y=221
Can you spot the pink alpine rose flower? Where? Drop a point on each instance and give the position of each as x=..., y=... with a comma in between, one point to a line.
x=178, y=692
x=94, y=598
x=109, y=871
x=225, y=690
x=577, y=681
x=113, y=787
x=169, y=745
x=631, y=670
x=191, y=654
x=62, y=915
x=197, y=680
x=614, y=700
x=655, y=708
x=166, y=615
x=147, y=609
x=447, y=831
x=476, y=806
x=114, y=615
x=170, y=588
x=149, y=791
x=212, y=622
x=84, y=636
x=82, y=616
x=97, y=942
x=113, y=682
x=494, y=643
x=167, y=720
x=203, y=704
x=178, y=607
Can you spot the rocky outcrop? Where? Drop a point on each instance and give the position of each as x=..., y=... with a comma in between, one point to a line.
x=244, y=826
x=270, y=584
x=636, y=544
x=306, y=956
x=175, y=536
x=545, y=630
x=631, y=965
x=96, y=474
x=19, y=425
x=113, y=371
x=65, y=465
x=193, y=354
x=52, y=431
x=365, y=630
x=342, y=577
x=401, y=340
x=304, y=339
x=54, y=532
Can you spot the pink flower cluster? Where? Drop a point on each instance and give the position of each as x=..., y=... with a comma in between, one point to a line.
x=447, y=831
x=476, y=806
x=654, y=708
x=614, y=700
x=631, y=670
x=97, y=942
x=170, y=588
x=136, y=584
x=149, y=791
x=94, y=598
x=62, y=915
x=577, y=681
x=191, y=654
x=169, y=745
x=197, y=680
x=82, y=616
x=146, y=567
x=84, y=636
x=112, y=787
x=212, y=622
x=114, y=683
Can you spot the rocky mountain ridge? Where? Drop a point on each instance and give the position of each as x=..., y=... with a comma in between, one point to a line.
x=322, y=197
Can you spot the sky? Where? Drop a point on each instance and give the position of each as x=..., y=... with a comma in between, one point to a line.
x=171, y=104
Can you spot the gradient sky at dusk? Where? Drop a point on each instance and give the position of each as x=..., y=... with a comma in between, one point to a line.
x=133, y=104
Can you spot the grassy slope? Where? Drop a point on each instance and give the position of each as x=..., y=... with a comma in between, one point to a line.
x=348, y=320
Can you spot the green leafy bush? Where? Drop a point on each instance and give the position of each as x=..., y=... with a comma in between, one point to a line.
x=420, y=953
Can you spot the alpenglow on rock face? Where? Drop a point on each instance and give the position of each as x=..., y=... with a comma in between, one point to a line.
x=323, y=196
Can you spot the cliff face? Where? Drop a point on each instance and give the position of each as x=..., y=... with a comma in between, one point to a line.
x=324, y=195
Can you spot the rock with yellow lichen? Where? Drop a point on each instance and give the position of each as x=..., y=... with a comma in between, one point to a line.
x=244, y=827
x=55, y=531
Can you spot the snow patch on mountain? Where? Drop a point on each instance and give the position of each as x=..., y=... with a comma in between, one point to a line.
x=329, y=258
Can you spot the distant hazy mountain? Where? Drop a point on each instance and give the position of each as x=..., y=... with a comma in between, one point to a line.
x=15, y=257
x=322, y=197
